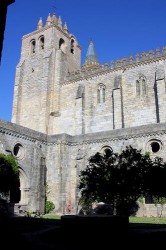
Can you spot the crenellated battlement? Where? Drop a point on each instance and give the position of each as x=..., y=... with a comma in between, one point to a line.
x=132, y=61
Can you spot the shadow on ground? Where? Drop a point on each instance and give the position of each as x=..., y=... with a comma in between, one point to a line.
x=47, y=234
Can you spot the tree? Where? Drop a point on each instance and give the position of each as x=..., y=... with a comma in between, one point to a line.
x=119, y=179
x=9, y=178
x=156, y=177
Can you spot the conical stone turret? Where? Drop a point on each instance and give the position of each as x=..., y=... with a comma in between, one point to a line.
x=91, y=57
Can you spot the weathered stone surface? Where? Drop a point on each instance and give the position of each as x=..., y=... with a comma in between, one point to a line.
x=63, y=114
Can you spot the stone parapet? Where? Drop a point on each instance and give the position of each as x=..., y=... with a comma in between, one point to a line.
x=119, y=64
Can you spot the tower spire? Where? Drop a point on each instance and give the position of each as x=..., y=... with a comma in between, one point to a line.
x=91, y=57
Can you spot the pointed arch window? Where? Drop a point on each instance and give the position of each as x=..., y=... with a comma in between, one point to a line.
x=141, y=86
x=101, y=93
x=72, y=46
x=32, y=46
x=41, y=43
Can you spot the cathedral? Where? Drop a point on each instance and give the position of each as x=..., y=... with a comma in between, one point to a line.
x=65, y=112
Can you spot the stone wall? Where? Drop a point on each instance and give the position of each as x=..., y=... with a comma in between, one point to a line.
x=62, y=157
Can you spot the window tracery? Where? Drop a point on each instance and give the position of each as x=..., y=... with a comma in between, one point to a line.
x=141, y=86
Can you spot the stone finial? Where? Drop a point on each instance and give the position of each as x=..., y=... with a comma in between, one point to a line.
x=48, y=22
x=106, y=65
x=40, y=24
x=157, y=52
x=124, y=61
x=131, y=58
x=54, y=19
x=65, y=29
x=151, y=54
x=118, y=62
x=137, y=57
x=60, y=22
x=143, y=55
x=112, y=64
x=164, y=50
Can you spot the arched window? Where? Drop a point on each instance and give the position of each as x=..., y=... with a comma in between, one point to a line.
x=32, y=46
x=41, y=43
x=61, y=43
x=101, y=93
x=72, y=46
x=141, y=86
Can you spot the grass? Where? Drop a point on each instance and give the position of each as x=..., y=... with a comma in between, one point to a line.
x=148, y=220
x=147, y=223
x=51, y=216
x=141, y=220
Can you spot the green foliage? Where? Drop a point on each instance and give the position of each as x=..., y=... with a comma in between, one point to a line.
x=9, y=174
x=156, y=178
x=120, y=179
x=49, y=206
x=141, y=199
x=159, y=200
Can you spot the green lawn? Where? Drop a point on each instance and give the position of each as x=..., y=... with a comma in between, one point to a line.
x=149, y=220
x=141, y=220
x=51, y=216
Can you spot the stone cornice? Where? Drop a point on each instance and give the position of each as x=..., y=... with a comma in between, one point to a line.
x=18, y=131
x=153, y=130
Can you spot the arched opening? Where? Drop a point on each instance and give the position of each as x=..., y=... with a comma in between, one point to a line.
x=41, y=43
x=24, y=193
x=18, y=151
x=106, y=151
x=72, y=46
x=61, y=43
x=33, y=46
x=155, y=146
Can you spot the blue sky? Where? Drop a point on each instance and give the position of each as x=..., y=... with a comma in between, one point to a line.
x=118, y=28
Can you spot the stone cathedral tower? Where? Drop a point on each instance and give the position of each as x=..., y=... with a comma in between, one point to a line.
x=48, y=55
